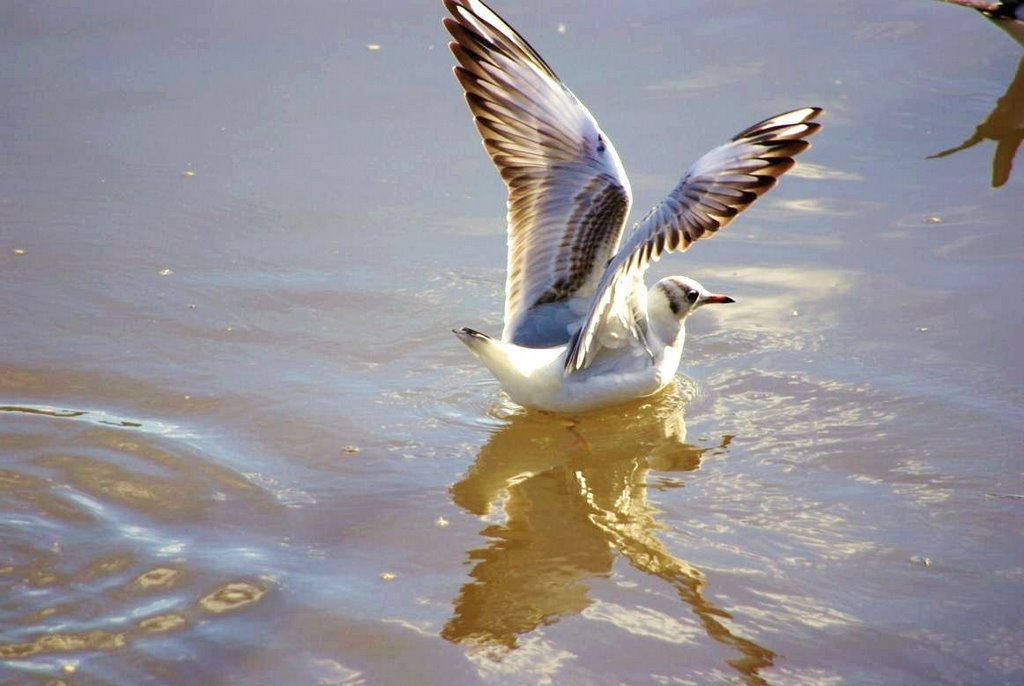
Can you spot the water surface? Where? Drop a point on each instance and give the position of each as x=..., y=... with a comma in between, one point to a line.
x=240, y=445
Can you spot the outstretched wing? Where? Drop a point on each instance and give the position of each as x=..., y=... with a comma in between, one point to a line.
x=568, y=196
x=720, y=185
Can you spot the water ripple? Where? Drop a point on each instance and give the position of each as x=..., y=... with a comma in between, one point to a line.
x=99, y=546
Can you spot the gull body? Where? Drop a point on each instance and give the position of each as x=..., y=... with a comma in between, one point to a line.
x=535, y=377
x=582, y=330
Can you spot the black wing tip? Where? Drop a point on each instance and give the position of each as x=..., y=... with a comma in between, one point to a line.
x=496, y=34
x=801, y=116
x=814, y=111
x=454, y=5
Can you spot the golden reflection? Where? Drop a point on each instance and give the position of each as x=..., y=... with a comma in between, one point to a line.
x=65, y=642
x=1004, y=125
x=231, y=597
x=573, y=494
x=156, y=578
x=162, y=623
x=227, y=598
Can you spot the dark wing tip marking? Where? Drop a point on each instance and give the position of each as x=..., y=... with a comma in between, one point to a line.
x=501, y=38
x=804, y=115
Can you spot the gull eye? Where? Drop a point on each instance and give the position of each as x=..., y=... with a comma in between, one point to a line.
x=691, y=296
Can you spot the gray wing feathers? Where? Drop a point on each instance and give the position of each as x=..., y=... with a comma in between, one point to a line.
x=567, y=194
x=720, y=185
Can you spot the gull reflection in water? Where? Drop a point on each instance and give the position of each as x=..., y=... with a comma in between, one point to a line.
x=574, y=497
x=1005, y=124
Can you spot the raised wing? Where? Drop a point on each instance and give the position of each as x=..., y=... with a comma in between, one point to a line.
x=568, y=196
x=720, y=185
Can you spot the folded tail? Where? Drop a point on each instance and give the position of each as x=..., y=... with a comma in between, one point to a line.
x=471, y=337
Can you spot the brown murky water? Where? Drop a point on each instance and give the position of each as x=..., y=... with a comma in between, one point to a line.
x=240, y=445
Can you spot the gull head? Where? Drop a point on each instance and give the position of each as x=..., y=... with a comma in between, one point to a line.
x=682, y=296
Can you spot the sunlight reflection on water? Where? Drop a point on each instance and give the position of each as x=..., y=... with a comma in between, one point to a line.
x=240, y=443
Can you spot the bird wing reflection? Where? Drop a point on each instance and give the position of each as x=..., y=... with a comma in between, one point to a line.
x=1005, y=123
x=573, y=495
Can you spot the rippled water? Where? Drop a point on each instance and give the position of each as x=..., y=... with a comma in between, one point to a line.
x=240, y=445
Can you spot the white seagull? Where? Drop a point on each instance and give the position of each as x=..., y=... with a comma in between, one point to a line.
x=582, y=330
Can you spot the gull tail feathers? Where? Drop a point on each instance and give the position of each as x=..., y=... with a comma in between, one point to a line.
x=492, y=352
x=473, y=339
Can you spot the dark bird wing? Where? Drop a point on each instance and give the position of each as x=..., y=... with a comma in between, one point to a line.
x=568, y=196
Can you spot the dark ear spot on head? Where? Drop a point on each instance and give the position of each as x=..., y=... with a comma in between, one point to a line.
x=674, y=302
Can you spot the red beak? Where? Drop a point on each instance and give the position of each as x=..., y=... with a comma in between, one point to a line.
x=716, y=299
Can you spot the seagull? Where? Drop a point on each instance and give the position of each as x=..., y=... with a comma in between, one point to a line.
x=581, y=329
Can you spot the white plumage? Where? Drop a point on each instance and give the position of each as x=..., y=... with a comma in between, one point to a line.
x=581, y=328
